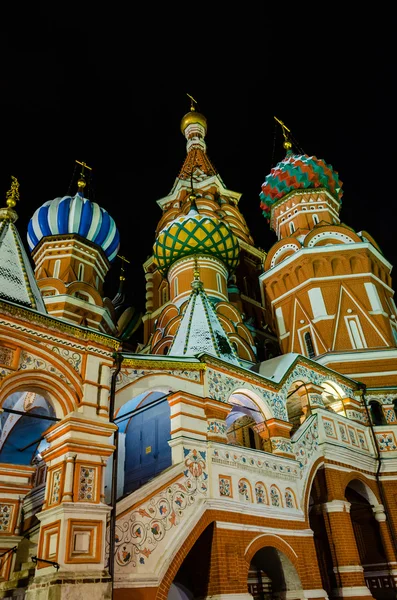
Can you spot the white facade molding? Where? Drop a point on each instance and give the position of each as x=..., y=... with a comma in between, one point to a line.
x=337, y=506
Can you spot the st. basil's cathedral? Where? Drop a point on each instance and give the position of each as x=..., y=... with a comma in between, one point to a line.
x=235, y=441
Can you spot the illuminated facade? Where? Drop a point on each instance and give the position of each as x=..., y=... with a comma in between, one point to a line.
x=247, y=448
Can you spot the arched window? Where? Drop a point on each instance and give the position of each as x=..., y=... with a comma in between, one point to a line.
x=57, y=266
x=309, y=345
x=165, y=349
x=355, y=334
x=291, y=227
x=377, y=416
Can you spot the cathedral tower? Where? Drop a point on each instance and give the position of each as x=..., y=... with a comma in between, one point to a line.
x=329, y=287
x=73, y=243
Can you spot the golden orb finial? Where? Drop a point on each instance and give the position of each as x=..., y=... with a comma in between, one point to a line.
x=8, y=213
x=287, y=143
x=81, y=183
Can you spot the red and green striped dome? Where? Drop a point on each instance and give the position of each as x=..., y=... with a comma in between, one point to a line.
x=297, y=172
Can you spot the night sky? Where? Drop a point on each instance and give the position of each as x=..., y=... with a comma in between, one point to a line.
x=109, y=88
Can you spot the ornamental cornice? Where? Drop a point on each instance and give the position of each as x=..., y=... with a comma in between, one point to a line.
x=167, y=365
x=55, y=325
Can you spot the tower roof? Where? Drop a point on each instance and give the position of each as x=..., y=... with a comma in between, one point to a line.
x=298, y=172
x=200, y=330
x=196, y=234
x=75, y=215
x=17, y=281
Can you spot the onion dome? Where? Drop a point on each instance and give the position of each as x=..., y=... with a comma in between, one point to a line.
x=193, y=117
x=75, y=215
x=298, y=172
x=195, y=234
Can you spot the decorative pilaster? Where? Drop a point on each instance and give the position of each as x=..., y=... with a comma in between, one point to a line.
x=311, y=396
x=73, y=519
x=348, y=570
x=279, y=432
x=15, y=483
x=388, y=546
x=216, y=413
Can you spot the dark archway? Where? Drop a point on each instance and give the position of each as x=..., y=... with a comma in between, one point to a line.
x=319, y=523
x=191, y=580
x=369, y=542
x=272, y=576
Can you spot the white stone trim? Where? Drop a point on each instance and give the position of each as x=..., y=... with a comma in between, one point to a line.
x=265, y=530
x=243, y=596
x=337, y=506
x=331, y=249
x=348, y=592
x=349, y=569
x=315, y=594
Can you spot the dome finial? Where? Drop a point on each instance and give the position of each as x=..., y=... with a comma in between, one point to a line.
x=287, y=143
x=81, y=183
x=122, y=268
x=8, y=213
x=193, y=102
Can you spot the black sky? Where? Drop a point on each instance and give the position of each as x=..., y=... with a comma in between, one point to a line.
x=108, y=86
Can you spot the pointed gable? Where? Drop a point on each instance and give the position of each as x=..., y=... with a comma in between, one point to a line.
x=200, y=330
x=17, y=281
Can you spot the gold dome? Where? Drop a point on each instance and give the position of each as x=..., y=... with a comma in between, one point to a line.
x=193, y=117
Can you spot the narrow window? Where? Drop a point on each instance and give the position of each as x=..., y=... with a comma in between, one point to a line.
x=291, y=227
x=309, y=345
x=57, y=267
x=80, y=273
x=175, y=286
x=377, y=415
x=219, y=282
x=315, y=219
x=355, y=334
x=165, y=350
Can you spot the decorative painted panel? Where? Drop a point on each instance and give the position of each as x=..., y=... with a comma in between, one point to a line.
x=275, y=496
x=386, y=441
x=140, y=531
x=244, y=491
x=56, y=483
x=289, y=499
x=261, y=493
x=6, y=514
x=225, y=486
x=329, y=428
x=87, y=484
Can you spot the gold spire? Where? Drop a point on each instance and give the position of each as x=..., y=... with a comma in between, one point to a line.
x=8, y=213
x=122, y=270
x=82, y=182
x=192, y=102
x=287, y=144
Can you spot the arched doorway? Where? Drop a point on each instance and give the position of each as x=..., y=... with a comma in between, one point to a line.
x=272, y=576
x=369, y=542
x=26, y=416
x=191, y=580
x=241, y=422
x=144, y=433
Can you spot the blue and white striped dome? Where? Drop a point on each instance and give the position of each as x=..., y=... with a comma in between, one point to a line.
x=75, y=214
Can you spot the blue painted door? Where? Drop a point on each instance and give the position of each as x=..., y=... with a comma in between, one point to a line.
x=147, y=452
